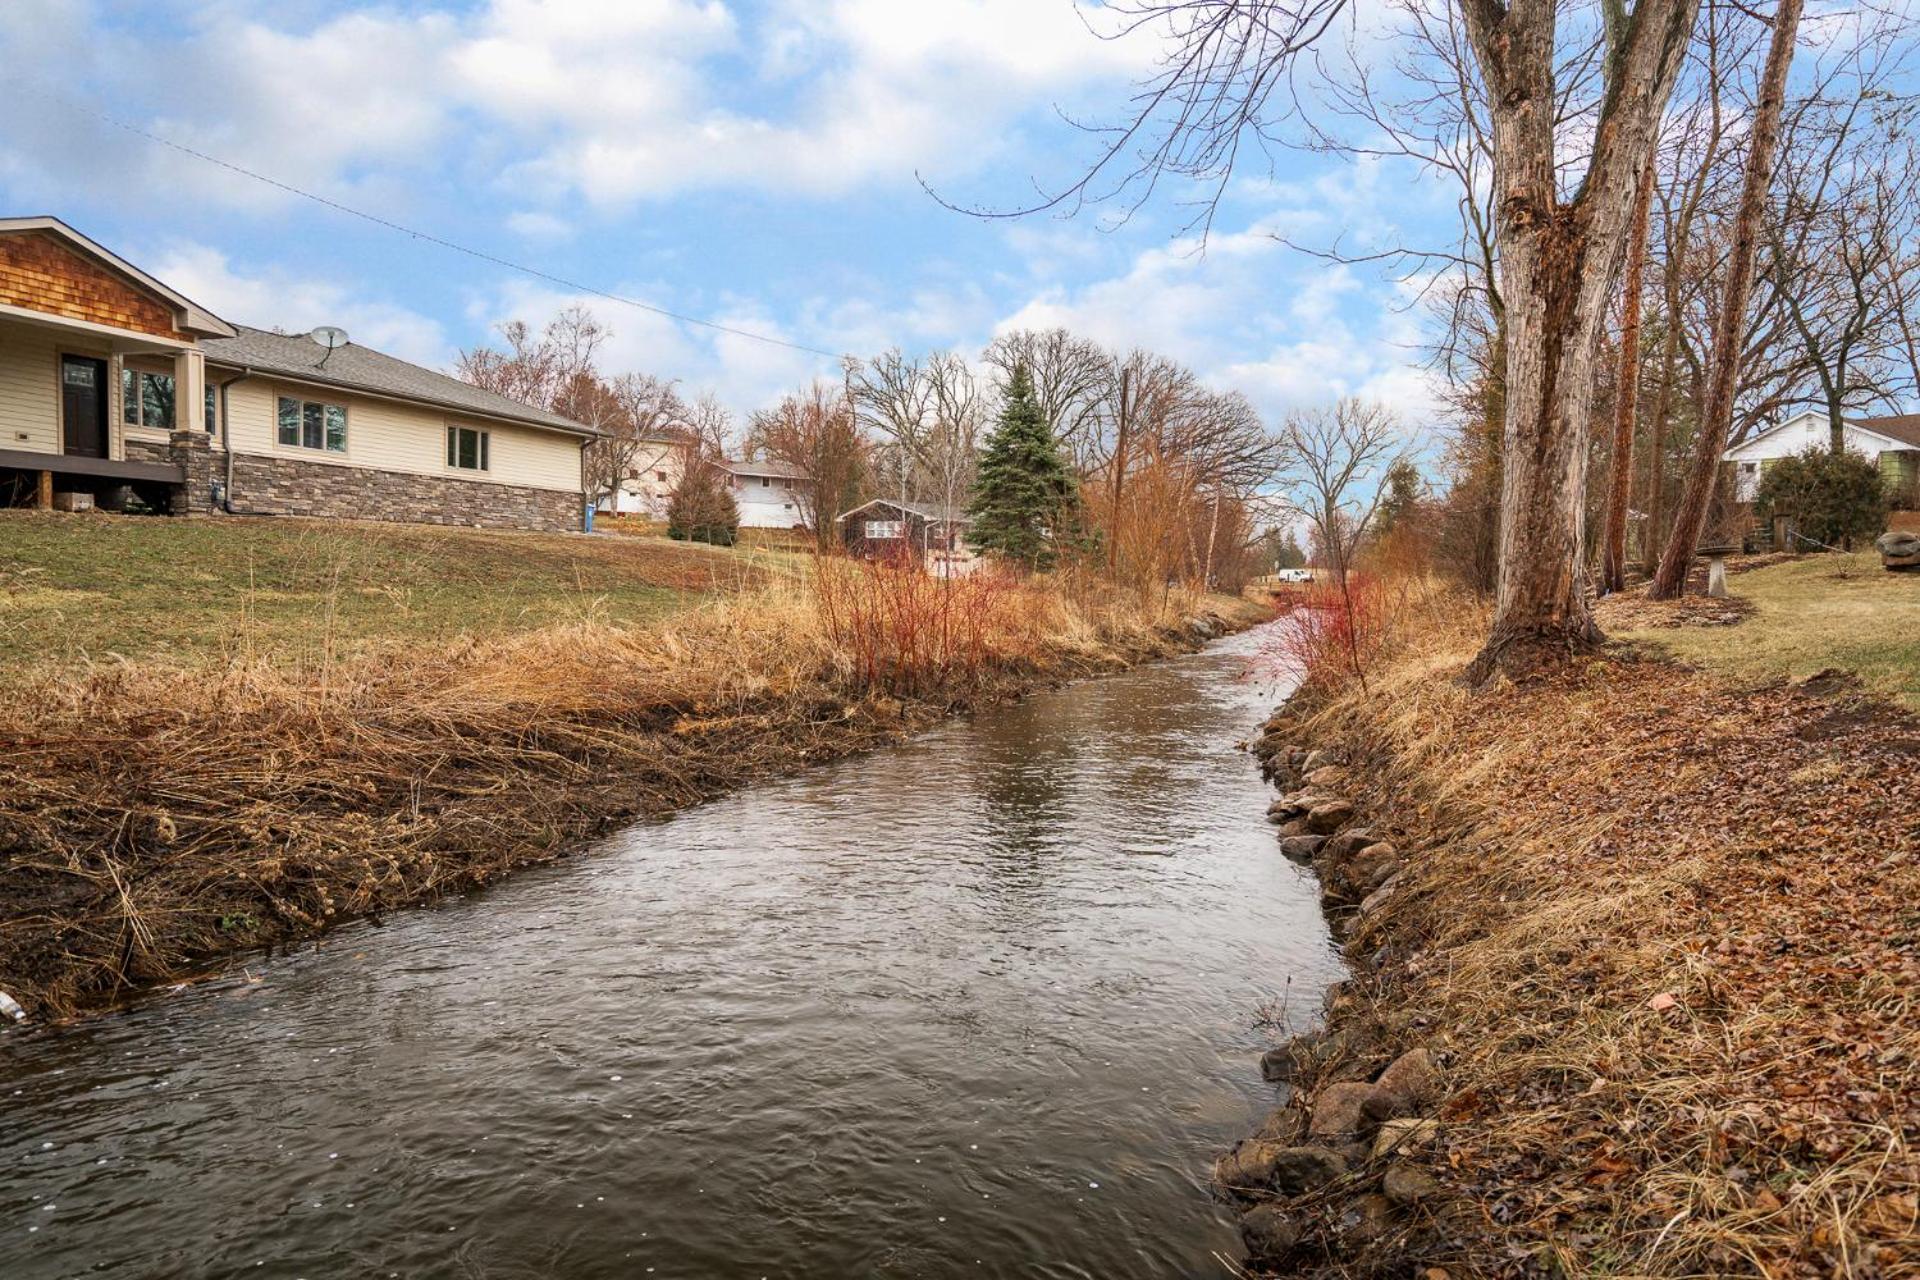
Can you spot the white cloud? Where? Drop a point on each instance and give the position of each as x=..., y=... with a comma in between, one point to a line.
x=612, y=100
x=296, y=304
x=1252, y=315
x=535, y=225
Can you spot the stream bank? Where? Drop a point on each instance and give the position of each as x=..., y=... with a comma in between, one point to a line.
x=1632, y=953
x=972, y=1004
x=154, y=822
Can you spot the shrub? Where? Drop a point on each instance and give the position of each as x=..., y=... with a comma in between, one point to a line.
x=1333, y=634
x=1833, y=498
x=900, y=630
x=702, y=510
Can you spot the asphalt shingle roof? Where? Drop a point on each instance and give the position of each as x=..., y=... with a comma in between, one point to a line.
x=1904, y=427
x=357, y=368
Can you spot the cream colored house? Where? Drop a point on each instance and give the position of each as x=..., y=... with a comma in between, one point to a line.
x=116, y=387
x=652, y=477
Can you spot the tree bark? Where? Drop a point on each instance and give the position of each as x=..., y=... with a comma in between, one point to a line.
x=1729, y=326
x=1626, y=399
x=1559, y=263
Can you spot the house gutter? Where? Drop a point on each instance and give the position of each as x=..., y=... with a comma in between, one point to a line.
x=226, y=443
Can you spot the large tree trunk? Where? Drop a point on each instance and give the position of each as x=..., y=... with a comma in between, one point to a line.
x=1729, y=329
x=1626, y=399
x=1559, y=262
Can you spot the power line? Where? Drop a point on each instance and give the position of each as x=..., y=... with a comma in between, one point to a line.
x=429, y=237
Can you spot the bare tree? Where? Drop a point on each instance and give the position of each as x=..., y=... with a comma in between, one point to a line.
x=1626, y=395
x=814, y=431
x=1729, y=328
x=1070, y=376
x=1336, y=463
x=1834, y=231
x=639, y=417
x=930, y=413
x=537, y=370
x=1560, y=226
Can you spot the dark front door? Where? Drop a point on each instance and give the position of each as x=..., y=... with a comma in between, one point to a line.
x=83, y=405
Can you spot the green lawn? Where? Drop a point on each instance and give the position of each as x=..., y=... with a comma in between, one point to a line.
x=86, y=587
x=1824, y=611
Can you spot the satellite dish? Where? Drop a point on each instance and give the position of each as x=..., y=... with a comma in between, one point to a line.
x=332, y=337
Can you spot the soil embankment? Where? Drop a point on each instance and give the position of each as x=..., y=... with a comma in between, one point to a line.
x=1634, y=954
x=155, y=819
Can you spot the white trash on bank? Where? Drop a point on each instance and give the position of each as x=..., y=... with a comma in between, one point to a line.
x=10, y=1008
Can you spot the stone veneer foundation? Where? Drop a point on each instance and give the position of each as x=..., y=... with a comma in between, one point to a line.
x=291, y=487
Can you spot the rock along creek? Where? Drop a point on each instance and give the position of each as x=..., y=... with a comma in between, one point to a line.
x=981, y=1004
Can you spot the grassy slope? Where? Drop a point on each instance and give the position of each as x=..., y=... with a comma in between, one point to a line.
x=74, y=587
x=1809, y=615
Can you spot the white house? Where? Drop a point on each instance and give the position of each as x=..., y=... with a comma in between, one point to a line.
x=1892, y=442
x=770, y=495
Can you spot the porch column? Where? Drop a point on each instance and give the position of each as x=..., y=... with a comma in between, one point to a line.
x=190, y=391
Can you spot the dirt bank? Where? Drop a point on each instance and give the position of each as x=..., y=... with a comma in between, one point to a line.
x=1634, y=956
x=154, y=819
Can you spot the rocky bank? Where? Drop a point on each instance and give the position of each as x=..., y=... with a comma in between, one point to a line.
x=1337, y=1178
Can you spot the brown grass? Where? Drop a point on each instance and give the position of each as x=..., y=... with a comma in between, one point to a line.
x=1661, y=929
x=153, y=816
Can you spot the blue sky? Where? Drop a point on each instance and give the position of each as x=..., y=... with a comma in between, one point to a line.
x=749, y=163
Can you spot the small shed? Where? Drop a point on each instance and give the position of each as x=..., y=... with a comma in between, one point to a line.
x=897, y=529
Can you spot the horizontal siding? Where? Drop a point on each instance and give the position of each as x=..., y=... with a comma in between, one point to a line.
x=30, y=385
x=387, y=436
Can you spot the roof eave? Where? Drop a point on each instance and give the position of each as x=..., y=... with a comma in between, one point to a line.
x=580, y=429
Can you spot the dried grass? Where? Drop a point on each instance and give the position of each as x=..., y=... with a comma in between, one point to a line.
x=152, y=817
x=1663, y=931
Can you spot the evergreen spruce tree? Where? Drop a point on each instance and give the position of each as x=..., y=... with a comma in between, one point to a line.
x=1025, y=500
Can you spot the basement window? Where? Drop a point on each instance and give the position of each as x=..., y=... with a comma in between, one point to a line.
x=311, y=424
x=146, y=399
x=467, y=448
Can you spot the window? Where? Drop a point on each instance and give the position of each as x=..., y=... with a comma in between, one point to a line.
x=878, y=529
x=661, y=476
x=146, y=399
x=766, y=482
x=213, y=410
x=467, y=448
x=309, y=424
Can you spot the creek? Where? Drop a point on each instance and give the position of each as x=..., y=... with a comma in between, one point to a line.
x=985, y=1003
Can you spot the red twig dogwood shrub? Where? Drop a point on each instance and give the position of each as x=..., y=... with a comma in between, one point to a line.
x=900, y=629
x=1334, y=632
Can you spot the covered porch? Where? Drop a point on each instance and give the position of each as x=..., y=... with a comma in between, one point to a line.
x=91, y=410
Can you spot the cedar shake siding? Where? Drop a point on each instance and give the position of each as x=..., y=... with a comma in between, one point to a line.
x=38, y=273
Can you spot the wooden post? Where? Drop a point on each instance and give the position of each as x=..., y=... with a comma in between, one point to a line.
x=45, y=498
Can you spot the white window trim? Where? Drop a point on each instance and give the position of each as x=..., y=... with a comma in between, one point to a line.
x=117, y=371
x=305, y=450
x=483, y=447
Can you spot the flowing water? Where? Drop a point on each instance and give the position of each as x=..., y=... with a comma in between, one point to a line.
x=982, y=1004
